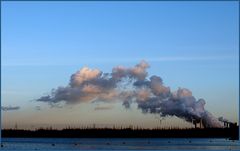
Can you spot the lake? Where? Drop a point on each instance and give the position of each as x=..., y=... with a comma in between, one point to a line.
x=117, y=144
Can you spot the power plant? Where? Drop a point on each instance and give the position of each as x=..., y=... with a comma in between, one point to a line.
x=198, y=123
x=226, y=123
x=229, y=124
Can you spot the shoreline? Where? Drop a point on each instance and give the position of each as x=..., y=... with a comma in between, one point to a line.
x=229, y=133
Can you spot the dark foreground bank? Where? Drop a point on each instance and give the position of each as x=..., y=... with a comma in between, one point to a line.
x=230, y=133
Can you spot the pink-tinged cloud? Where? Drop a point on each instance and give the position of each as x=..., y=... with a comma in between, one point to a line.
x=131, y=85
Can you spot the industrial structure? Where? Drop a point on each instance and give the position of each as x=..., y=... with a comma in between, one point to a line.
x=198, y=123
x=228, y=124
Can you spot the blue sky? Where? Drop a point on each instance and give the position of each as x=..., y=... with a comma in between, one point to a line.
x=188, y=44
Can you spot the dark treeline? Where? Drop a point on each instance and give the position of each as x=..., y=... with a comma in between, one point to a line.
x=230, y=133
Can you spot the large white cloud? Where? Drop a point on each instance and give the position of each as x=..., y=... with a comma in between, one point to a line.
x=131, y=85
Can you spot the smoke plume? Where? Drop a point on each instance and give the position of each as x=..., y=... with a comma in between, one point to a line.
x=131, y=85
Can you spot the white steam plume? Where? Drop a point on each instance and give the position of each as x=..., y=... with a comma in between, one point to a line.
x=131, y=85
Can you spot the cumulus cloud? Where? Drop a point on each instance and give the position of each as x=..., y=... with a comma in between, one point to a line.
x=131, y=85
x=10, y=108
x=85, y=74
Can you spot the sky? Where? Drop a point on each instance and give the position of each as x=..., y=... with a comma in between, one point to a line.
x=193, y=45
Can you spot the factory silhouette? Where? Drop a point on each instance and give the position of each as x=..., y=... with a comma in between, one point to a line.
x=198, y=123
x=229, y=131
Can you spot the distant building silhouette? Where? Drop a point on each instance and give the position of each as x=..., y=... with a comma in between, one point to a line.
x=197, y=123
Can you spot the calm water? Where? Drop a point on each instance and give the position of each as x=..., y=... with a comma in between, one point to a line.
x=117, y=144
